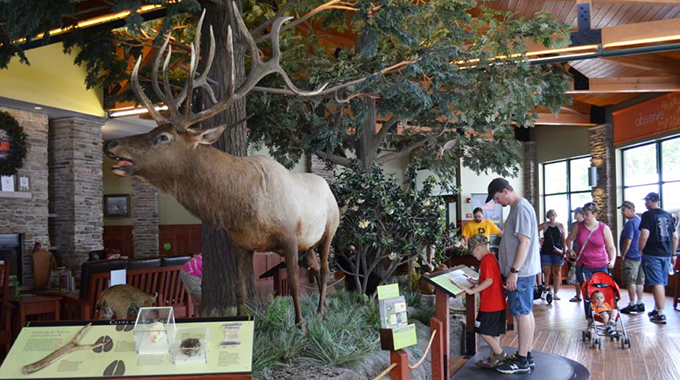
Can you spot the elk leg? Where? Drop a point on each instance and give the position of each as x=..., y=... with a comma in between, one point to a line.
x=244, y=260
x=323, y=272
x=313, y=264
x=291, y=255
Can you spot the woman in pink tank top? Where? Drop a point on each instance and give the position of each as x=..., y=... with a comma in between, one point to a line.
x=596, y=245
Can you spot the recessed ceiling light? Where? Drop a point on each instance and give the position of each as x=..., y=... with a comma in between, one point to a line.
x=37, y=108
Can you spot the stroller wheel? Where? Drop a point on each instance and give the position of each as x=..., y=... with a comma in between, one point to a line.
x=623, y=344
x=584, y=336
x=549, y=298
x=599, y=344
x=627, y=342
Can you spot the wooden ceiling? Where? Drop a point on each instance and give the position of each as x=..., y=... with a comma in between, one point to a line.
x=612, y=80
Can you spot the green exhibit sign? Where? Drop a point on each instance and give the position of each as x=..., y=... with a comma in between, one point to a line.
x=404, y=336
x=388, y=291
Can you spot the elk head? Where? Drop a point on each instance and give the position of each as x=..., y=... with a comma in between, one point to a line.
x=176, y=134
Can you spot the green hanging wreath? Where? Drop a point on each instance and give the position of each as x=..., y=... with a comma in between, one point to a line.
x=12, y=144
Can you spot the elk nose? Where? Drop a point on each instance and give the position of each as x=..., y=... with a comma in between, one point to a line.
x=111, y=144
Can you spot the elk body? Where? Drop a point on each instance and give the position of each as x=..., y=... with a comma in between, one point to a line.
x=262, y=205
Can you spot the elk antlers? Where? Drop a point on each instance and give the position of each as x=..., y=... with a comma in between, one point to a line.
x=71, y=346
x=258, y=70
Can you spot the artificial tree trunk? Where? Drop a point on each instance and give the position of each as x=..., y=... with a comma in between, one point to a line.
x=368, y=142
x=220, y=276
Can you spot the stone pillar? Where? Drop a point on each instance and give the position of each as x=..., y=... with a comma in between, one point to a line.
x=27, y=211
x=76, y=188
x=602, y=157
x=530, y=173
x=145, y=204
x=317, y=166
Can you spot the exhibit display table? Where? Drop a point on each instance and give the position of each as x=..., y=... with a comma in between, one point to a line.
x=229, y=351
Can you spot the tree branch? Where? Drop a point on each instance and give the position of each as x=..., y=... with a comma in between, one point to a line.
x=402, y=153
x=386, y=126
x=260, y=29
x=334, y=158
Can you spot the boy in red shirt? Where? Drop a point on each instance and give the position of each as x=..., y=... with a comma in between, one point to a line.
x=490, y=322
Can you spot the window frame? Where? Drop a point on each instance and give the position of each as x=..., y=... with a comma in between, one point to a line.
x=658, y=146
x=569, y=192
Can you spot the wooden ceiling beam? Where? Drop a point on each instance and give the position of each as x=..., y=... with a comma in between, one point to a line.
x=563, y=119
x=652, y=30
x=642, y=2
x=653, y=63
x=577, y=107
x=630, y=85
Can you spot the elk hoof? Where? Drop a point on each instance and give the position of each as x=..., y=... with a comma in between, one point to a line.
x=303, y=327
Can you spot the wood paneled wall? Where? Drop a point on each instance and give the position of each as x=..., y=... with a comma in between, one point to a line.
x=119, y=238
x=184, y=239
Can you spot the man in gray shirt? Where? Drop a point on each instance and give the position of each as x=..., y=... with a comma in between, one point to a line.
x=520, y=263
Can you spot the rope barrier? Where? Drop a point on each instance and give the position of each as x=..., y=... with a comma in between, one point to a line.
x=427, y=351
x=422, y=358
x=385, y=372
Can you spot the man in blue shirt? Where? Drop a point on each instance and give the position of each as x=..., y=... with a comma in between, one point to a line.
x=632, y=273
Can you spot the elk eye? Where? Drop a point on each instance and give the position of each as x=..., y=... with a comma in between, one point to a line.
x=161, y=138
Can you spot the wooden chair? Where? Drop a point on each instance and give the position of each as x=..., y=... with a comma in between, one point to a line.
x=5, y=313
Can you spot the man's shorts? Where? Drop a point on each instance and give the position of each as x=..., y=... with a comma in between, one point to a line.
x=191, y=283
x=490, y=323
x=552, y=260
x=656, y=269
x=632, y=273
x=521, y=300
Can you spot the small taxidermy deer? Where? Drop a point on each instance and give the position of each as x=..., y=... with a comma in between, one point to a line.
x=262, y=205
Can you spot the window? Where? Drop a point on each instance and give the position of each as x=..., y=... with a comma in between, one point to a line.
x=652, y=167
x=565, y=187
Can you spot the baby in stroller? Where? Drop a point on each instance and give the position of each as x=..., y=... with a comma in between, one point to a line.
x=604, y=311
x=600, y=294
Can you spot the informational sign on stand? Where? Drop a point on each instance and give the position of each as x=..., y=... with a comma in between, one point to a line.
x=395, y=333
x=120, y=359
x=450, y=281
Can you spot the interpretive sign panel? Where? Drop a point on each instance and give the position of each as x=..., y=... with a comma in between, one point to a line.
x=451, y=280
x=119, y=358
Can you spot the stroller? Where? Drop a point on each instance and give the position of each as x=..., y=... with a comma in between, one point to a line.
x=596, y=329
x=543, y=291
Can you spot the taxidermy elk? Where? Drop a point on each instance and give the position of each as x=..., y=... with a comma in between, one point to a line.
x=262, y=205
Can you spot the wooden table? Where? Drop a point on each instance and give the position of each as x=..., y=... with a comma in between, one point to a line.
x=36, y=307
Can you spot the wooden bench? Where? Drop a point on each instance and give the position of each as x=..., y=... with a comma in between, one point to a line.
x=164, y=280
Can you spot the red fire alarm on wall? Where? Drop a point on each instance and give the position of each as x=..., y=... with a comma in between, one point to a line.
x=468, y=200
x=468, y=215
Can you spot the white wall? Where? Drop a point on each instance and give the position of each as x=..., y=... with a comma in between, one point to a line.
x=471, y=183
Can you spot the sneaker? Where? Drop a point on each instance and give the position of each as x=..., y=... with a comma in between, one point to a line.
x=530, y=360
x=514, y=365
x=543, y=296
x=658, y=318
x=556, y=298
x=610, y=330
x=640, y=307
x=652, y=313
x=629, y=309
x=493, y=361
x=575, y=299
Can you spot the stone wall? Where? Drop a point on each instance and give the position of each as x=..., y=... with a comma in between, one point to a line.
x=145, y=205
x=29, y=215
x=317, y=166
x=530, y=173
x=76, y=188
x=602, y=157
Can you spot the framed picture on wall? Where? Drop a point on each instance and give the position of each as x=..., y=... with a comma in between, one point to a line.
x=117, y=205
x=492, y=211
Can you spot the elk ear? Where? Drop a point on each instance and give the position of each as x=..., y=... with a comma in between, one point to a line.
x=211, y=135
